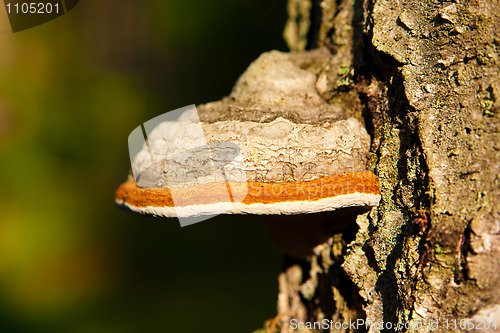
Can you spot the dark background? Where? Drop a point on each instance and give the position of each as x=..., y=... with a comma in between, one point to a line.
x=71, y=91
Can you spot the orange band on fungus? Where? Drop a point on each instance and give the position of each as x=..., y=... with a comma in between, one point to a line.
x=257, y=192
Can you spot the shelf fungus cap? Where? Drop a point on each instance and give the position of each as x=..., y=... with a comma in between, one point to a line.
x=274, y=146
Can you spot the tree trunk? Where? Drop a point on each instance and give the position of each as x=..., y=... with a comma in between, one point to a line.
x=425, y=76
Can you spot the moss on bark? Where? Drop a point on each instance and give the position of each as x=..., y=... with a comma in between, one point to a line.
x=427, y=75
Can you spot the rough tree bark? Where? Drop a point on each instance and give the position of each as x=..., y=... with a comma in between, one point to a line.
x=425, y=77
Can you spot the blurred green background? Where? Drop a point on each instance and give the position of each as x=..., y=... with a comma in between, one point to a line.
x=71, y=91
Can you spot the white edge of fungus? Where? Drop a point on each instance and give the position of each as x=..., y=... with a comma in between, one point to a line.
x=276, y=208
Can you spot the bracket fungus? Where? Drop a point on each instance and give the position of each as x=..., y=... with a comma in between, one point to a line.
x=273, y=146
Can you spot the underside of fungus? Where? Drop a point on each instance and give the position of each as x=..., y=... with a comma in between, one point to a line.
x=274, y=146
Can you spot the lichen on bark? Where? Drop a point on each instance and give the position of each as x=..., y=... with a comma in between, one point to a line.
x=427, y=76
